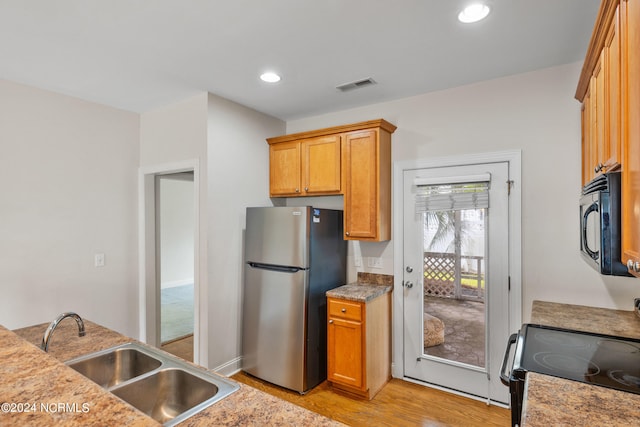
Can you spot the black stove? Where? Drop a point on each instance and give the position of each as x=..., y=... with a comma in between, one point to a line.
x=603, y=360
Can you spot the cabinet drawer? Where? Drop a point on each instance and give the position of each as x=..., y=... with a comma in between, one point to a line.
x=345, y=309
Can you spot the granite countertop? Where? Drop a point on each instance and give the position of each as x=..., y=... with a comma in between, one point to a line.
x=551, y=401
x=588, y=319
x=361, y=292
x=31, y=375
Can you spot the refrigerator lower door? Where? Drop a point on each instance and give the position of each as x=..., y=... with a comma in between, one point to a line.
x=274, y=326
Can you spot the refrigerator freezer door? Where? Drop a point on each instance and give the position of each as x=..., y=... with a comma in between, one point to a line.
x=278, y=236
x=274, y=335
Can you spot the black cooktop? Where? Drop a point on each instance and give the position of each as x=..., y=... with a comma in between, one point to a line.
x=604, y=360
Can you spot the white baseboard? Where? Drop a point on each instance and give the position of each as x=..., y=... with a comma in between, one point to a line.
x=230, y=368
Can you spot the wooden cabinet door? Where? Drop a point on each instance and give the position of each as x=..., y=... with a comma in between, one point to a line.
x=630, y=31
x=321, y=165
x=598, y=142
x=361, y=185
x=284, y=168
x=587, y=169
x=612, y=139
x=345, y=364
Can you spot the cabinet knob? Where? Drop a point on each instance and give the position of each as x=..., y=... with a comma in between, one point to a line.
x=306, y=188
x=330, y=321
x=344, y=310
x=297, y=190
x=630, y=264
x=636, y=266
x=347, y=233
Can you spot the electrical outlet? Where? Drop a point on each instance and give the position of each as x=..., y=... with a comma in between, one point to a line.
x=99, y=260
x=357, y=261
x=374, y=262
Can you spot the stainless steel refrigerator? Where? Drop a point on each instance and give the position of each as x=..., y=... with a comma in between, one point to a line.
x=293, y=255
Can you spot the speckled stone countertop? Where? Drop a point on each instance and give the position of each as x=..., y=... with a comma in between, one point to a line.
x=551, y=401
x=361, y=292
x=588, y=319
x=29, y=375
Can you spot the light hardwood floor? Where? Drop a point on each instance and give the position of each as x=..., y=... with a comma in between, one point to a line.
x=182, y=347
x=400, y=403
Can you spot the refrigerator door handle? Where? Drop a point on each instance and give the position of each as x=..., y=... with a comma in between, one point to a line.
x=271, y=267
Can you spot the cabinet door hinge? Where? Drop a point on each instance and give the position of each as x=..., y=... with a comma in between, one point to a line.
x=509, y=185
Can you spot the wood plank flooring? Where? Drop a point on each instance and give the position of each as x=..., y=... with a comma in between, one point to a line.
x=182, y=347
x=400, y=403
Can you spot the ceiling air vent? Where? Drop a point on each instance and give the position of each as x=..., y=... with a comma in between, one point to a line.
x=356, y=85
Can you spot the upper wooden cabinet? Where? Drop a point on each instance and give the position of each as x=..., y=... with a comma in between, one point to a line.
x=353, y=160
x=367, y=183
x=609, y=88
x=630, y=130
x=306, y=167
x=599, y=90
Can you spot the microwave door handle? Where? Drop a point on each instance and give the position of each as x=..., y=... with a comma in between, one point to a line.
x=592, y=208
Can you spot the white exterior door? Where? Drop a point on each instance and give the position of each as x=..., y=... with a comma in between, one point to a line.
x=456, y=278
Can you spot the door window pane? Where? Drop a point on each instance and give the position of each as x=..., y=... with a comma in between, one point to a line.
x=454, y=285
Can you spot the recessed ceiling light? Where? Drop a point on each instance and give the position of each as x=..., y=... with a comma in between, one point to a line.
x=473, y=13
x=270, y=77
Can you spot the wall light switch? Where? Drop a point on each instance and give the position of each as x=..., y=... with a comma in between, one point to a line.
x=99, y=260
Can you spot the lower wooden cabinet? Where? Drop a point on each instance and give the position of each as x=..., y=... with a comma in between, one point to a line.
x=359, y=345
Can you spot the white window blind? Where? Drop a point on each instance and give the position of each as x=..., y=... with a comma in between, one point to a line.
x=452, y=193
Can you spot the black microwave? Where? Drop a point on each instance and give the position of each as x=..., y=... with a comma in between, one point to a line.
x=600, y=225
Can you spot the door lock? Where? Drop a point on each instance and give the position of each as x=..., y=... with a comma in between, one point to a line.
x=409, y=269
x=408, y=284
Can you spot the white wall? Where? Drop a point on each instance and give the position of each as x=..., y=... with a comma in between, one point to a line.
x=238, y=161
x=536, y=113
x=228, y=140
x=172, y=135
x=68, y=173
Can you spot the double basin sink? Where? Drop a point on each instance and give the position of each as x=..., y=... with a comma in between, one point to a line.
x=166, y=388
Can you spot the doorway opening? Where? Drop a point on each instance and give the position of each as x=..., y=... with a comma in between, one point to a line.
x=175, y=261
x=170, y=272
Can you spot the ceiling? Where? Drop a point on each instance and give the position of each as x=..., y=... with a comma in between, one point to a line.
x=139, y=55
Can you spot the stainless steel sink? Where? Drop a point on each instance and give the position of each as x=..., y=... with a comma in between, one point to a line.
x=116, y=366
x=167, y=393
x=162, y=386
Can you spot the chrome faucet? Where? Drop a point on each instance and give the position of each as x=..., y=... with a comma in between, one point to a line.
x=54, y=325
